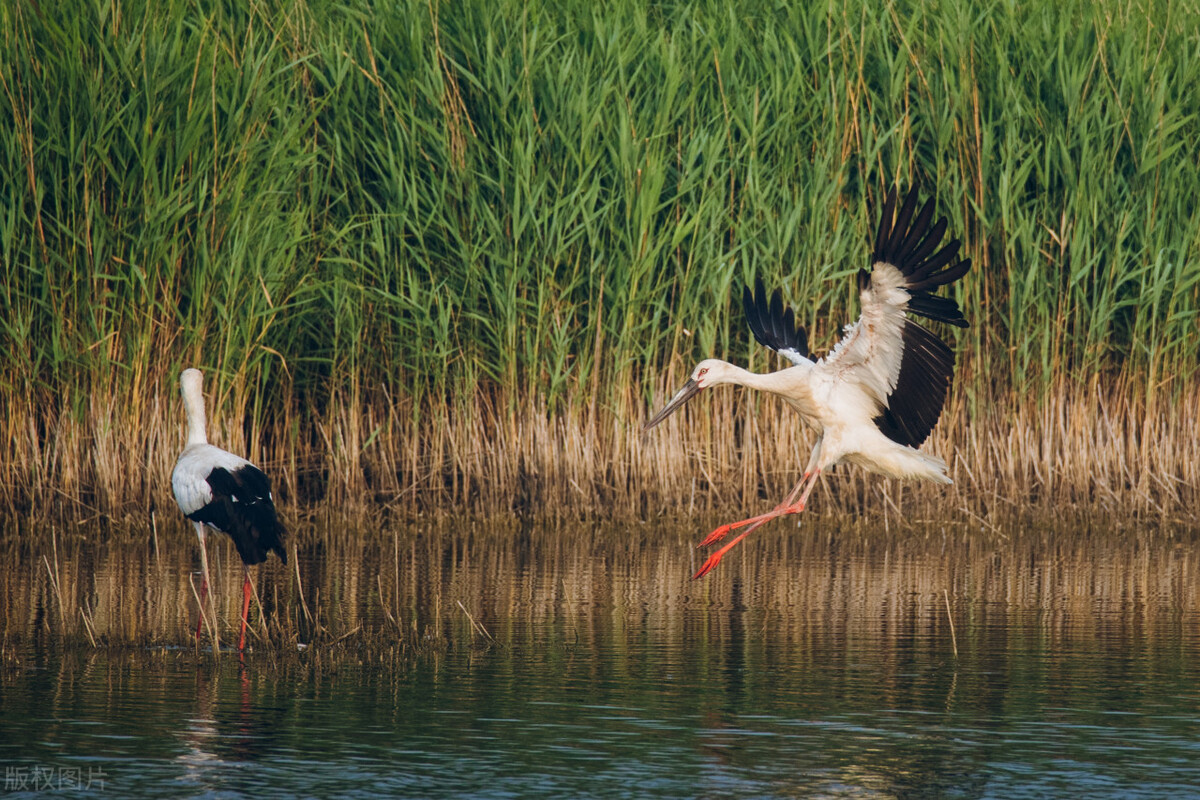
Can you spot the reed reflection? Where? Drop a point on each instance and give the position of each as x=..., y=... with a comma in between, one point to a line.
x=449, y=585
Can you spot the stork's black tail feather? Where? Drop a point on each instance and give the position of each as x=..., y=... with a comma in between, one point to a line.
x=909, y=244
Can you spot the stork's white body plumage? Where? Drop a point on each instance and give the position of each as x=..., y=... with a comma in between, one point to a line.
x=840, y=412
x=223, y=491
x=190, y=478
x=876, y=396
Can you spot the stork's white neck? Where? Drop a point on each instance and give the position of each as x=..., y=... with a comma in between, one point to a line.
x=193, y=403
x=723, y=372
x=744, y=377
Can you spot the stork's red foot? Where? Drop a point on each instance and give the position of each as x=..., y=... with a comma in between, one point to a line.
x=754, y=523
x=723, y=531
x=716, y=557
x=716, y=536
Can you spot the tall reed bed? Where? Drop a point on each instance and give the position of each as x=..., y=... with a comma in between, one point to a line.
x=450, y=254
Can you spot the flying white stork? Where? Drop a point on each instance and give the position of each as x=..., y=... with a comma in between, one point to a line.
x=876, y=396
x=227, y=493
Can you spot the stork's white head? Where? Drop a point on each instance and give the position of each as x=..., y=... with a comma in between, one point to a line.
x=190, y=381
x=190, y=385
x=712, y=371
x=709, y=372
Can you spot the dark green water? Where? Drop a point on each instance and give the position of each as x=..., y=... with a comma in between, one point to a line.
x=809, y=666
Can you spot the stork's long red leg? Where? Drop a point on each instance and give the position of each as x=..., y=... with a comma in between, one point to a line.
x=711, y=564
x=245, y=609
x=788, y=506
x=724, y=530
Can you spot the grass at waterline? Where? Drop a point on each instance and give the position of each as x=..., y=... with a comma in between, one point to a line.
x=448, y=257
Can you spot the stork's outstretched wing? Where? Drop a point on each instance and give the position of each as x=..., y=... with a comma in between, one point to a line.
x=774, y=326
x=895, y=360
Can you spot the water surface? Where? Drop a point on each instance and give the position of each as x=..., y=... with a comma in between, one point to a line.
x=464, y=660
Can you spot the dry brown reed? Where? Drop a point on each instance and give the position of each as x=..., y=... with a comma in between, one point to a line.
x=1114, y=449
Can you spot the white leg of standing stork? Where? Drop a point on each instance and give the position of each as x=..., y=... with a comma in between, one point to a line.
x=203, y=577
x=789, y=506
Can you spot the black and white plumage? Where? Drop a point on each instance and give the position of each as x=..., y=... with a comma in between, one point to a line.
x=877, y=395
x=229, y=494
x=223, y=491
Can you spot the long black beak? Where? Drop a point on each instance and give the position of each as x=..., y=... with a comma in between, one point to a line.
x=688, y=391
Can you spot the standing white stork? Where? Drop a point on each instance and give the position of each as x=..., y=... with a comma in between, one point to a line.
x=227, y=493
x=876, y=396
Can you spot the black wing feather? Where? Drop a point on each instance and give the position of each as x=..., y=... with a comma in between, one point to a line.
x=941, y=309
x=885, y=222
x=242, y=507
x=920, y=228
x=900, y=228
x=926, y=370
x=932, y=239
x=771, y=324
x=947, y=275
x=911, y=248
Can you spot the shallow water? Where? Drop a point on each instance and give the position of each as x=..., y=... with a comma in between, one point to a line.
x=583, y=662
